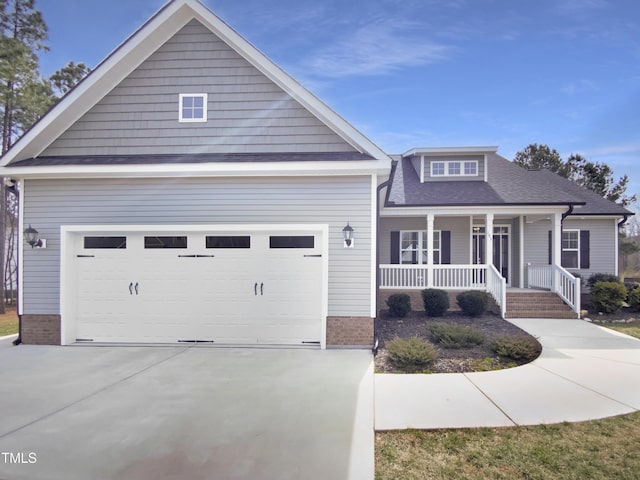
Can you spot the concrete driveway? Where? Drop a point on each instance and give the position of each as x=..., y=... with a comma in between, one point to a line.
x=175, y=412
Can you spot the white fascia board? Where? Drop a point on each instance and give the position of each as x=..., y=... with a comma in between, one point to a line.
x=449, y=150
x=466, y=211
x=266, y=169
x=144, y=42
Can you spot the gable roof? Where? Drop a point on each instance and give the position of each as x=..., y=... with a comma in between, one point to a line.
x=143, y=43
x=507, y=184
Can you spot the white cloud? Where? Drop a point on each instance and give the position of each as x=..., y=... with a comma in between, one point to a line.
x=380, y=47
x=578, y=86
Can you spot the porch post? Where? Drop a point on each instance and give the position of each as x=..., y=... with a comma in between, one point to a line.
x=430, y=220
x=489, y=239
x=556, y=249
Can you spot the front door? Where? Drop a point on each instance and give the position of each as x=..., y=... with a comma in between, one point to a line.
x=500, y=248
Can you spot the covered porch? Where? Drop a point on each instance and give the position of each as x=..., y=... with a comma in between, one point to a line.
x=495, y=251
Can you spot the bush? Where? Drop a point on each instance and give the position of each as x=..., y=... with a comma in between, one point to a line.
x=473, y=303
x=436, y=302
x=634, y=299
x=411, y=354
x=602, y=277
x=608, y=297
x=455, y=336
x=399, y=304
x=521, y=349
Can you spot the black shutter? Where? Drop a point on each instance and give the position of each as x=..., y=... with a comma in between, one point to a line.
x=445, y=247
x=550, y=243
x=395, y=247
x=584, y=249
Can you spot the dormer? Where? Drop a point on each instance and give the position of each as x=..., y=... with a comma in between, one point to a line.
x=446, y=164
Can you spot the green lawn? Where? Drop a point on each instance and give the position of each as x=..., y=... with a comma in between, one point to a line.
x=632, y=328
x=591, y=450
x=8, y=323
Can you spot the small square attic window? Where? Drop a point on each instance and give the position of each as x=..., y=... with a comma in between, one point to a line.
x=193, y=107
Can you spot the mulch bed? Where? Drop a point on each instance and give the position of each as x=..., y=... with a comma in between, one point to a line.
x=475, y=359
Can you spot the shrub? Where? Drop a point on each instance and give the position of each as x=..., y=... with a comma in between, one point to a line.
x=411, y=354
x=436, y=302
x=608, y=297
x=455, y=336
x=602, y=277
x=634, y=299
x=522, y=349
x=473, y=303
x=399, y=304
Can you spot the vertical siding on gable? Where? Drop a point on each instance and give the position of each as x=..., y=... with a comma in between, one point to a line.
x=247, y=113
x=333, y=201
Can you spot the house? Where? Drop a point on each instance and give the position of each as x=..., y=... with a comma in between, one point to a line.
x=189, y=190
x=491, y=225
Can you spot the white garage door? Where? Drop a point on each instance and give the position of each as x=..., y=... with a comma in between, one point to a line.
x=228, y=288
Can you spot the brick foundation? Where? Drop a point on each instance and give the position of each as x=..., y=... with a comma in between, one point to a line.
x=40, y=329
x=349, y=331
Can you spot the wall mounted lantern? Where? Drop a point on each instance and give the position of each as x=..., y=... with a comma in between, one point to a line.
x=32, y=237
x=347, y=232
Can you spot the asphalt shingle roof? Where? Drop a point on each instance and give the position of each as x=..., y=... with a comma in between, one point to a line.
x=508, y=184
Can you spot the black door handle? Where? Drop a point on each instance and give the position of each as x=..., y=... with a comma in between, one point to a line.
x=255, y=289
x=261, y=292
x=131, y=288
x=136, y=287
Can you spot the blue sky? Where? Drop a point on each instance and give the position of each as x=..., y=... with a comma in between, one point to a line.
x=416, y=73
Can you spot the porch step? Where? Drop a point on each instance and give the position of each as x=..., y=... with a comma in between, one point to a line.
x=537, y=305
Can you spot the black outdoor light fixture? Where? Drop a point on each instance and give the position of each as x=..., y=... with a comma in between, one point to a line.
x=32, y=237
x=347, y=232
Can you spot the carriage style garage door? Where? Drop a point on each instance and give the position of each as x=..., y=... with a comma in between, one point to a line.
x=229, y=288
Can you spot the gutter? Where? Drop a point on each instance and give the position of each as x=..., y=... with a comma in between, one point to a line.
x=568, y=212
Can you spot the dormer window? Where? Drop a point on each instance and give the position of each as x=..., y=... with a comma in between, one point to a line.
x=193, y=107
x=454, y=168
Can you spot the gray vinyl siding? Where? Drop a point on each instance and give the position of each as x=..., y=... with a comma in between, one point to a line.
x=602, y=239
x=333, y=201
x=458, y=226
x=247, y=113
x=602, y=242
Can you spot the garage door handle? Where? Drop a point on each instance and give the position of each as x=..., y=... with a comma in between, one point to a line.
x=136, y=287
x=131, y=288
x=261, y=292
x=255, y=289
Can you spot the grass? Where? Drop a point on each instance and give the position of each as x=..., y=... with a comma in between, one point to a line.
x=631, y=328
x=591, y=450
x=8, y=322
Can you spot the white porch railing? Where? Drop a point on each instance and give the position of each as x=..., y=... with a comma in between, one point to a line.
x=558, y=280
x=497, y=288
x=449, y=277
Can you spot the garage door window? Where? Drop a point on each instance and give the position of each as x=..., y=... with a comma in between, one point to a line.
x=228, y=241
x=165, y=242
x=292, y=241
x=105, y=242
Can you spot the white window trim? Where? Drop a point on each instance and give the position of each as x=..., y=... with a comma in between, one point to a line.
x=182, y=96
x=577, y=250
x=419, y=249
x=446, y=168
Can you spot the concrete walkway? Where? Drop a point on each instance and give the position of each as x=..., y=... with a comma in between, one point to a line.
x=585, y=372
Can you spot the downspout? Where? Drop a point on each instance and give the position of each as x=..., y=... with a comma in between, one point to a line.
x=568, y=212
x=13, y=189
x=623, y=221
x=378, y=191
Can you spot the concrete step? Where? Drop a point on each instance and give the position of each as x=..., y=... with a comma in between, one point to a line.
x=537, y=305
x=540, y=314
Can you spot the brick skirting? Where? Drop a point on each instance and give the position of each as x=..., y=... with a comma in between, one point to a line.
x=349, y=331
x=40, y=329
